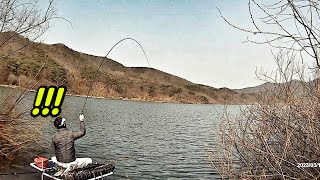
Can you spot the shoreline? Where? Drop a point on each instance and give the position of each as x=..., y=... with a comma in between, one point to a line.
x=123, y=99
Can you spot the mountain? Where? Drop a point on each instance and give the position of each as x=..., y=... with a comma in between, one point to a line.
x=58, y=65
x=297, y=87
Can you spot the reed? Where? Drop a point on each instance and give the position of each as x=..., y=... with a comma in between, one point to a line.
x=271, y=138
x=20, y=135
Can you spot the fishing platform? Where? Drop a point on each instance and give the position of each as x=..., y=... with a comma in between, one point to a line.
x=90, y=172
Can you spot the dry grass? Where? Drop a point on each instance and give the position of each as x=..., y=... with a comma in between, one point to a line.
x=270, y=138
x=19, y=136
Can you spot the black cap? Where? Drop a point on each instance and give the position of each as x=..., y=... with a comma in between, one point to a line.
x=59, y=122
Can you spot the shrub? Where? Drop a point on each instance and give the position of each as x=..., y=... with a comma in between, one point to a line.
x=203, y=99
x=191, y=93
x=13, y=66
x=18, y=148
x=269, y=139
x=90, y=73
x=174, y=90
x=4, y=75
x=119, y=88
x=192, y=87
x=29, y=67
x=59, y=75
x=151, y=90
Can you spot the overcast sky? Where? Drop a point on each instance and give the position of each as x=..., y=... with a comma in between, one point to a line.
x=185, y=38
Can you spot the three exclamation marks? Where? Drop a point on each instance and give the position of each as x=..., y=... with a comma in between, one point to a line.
x=48, y=101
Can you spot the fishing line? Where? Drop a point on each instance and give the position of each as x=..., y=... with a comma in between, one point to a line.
x=105, y=57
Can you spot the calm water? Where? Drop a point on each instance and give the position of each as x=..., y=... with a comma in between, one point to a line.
x=144, y=140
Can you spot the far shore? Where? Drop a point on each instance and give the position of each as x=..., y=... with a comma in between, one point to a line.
x=123, y=99
x=95, y=97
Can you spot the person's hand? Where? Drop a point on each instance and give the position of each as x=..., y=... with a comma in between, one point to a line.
x=81, y=117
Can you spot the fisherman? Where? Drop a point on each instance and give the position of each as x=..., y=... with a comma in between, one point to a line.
x=63, y=144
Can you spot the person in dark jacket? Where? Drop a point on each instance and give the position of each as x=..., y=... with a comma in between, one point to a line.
x=63, y=144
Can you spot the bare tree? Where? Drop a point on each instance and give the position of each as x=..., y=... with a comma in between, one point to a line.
x=21, y=18
x=271, y=138
x=277, y=137
x=292, y=25
x=24, y=18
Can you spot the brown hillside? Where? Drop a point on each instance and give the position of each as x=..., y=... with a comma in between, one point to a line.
x=77, y=71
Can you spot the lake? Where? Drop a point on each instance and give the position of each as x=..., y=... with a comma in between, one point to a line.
x=145, y=140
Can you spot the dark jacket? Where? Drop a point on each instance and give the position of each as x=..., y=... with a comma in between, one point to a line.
x=63, y=143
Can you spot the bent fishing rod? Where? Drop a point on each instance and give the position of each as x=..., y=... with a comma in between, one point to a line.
x=106, y=57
